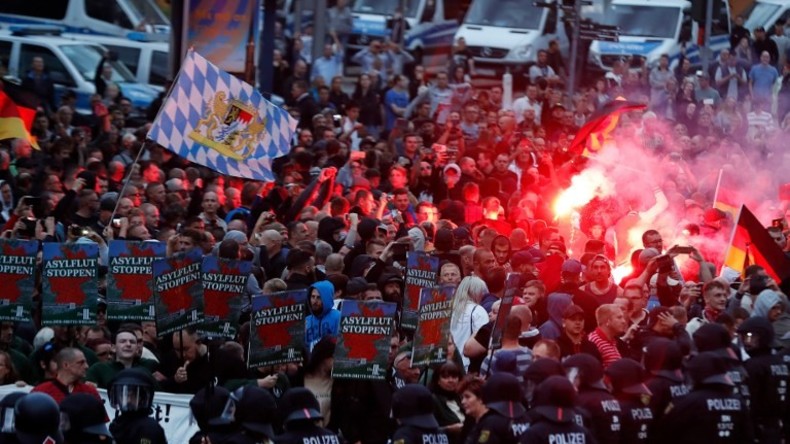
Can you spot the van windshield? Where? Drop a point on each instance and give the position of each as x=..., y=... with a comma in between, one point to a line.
x=146, y=11
x=86, y=58
x=505, y=14
x=644, y=21
x=385, y=7
x=761, y=15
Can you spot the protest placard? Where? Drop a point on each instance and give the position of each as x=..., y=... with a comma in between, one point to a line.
x=433, y=326
x=421, y=271
x=178, y=291
x=70, y=283
x=365, y=332
x=277, y=328
x=130, y=285
x=18, y=275
x=224, y=286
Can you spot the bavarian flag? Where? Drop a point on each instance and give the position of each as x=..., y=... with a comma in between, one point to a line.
x=751, y=244
x=597, y=131
x=15, y=120
x=216, y=120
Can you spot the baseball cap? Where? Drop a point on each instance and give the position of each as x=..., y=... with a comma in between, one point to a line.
x=572, y=266
x=452, y=166
x=571, y=311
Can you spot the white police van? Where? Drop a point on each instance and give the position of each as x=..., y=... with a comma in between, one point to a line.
x=110, y=17
x=431, y=26
x=650, y=28
x=507, y=34
x=70, y=63
x=146, y=55
x=766, y=13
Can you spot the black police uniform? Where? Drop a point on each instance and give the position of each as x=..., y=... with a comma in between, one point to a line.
x=412, y=407
x=407, y=434
x=600, y=409
x=255, y=412
x=506, y=419
x=627, y=378
x=768, y=379
x=663, y=359
x=552, y=418
x=137, y=428
x=710, y=413
x=715, y=337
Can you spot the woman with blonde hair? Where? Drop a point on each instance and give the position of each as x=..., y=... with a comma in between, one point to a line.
x=468, y=315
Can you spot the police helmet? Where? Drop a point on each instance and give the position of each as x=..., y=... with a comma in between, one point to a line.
x=82, y=413
x=37, y=419
x=7, y=405
x=132, y=390
x=502, y=393
x=299, y=403
x=256, y=409
x=413, y=405
x=756, y=333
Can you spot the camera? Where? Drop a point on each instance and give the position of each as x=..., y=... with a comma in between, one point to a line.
x=116, y=223
x=78, y=231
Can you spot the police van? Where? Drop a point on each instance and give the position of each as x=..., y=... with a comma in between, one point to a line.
x=110, y=17
x=766, y=13
x=430, y=26
x=507, y=34
x=146, y=55
x=650, y=28
x=71, y=64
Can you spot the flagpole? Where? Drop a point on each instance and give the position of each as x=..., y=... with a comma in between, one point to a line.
x=718, y=185
x=127, y=180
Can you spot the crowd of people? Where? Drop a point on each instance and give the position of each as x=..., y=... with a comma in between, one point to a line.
x=418, y=162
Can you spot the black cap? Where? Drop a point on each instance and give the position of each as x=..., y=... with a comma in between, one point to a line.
x=444, y=239
x=554, y=399
x=208, y=406
x=713, y=337
x=36, y=419
x=413, y=405
x=590, y=370
x=86, y=414
x=541, y=369
x=356, y=285
x=256, y=409
x=298, y=403
x=662, y=354
x=502, y=394
x=627, y=376
x=760, y=327
x=708, y=368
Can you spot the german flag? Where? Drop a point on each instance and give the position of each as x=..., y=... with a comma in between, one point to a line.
x=726, y=198
x=597, y=131
x=751, y=244
x=15, y=120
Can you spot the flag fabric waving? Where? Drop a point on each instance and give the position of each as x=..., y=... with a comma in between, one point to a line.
x=15, y=120
x=592, y=136
x=214, y=119
x=751, y=244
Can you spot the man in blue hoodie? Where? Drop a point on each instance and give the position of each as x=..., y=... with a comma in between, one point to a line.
x=323, y=320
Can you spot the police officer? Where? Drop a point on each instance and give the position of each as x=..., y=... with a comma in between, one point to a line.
x=83, y=420
x=600, y=409
x=300, y=415
x=711, y=412
x=37, y=419
x=626, y=377
x=132, y=393
x=715, y=337
x=7, y=432
x=664, y=362
x=506, y=418
x=551, y=418
x=256, y=410
x=412, y=407
x=213, y=409
x=538, y=372
x=768, y=379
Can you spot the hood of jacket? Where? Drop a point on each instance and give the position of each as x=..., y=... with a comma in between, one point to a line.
x=327, y=292
x=556, y=304
x=765, y=301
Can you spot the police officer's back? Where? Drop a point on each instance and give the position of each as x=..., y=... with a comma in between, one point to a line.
x=37, y=419
x=83, y=420
x=506, y=418
x=132, y=393
x=7, y=404
x=768, y=379
x=256, y=410
x=551, y=418
x=627, y=377
x=712, y=412
x=715, y=337
x=539, y=371
x=600, y=408
x=213, y=408
x=300, y=412
x=664, y=362
x=412, y=407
